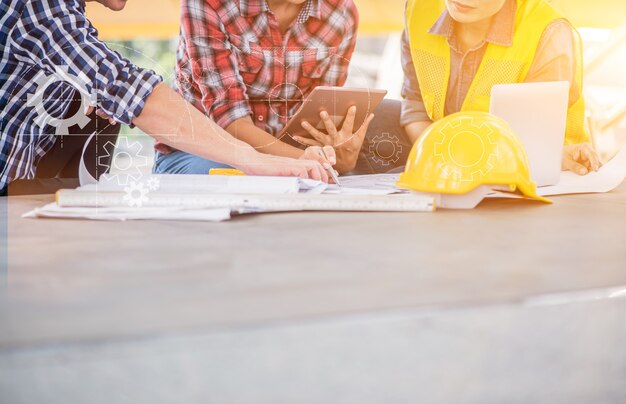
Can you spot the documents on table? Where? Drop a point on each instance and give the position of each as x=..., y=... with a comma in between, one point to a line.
x=209, y=198
x=207, y=184
x=214, y=198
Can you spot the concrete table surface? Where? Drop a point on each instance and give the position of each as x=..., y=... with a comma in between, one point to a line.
x=270, y=298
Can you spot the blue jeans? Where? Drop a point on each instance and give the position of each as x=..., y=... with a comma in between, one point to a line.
x=179, y=162
x=385, y=148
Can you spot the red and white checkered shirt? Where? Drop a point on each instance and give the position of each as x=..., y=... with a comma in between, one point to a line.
x=234, y=62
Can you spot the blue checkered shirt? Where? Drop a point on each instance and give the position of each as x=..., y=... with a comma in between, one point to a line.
x=51, y=42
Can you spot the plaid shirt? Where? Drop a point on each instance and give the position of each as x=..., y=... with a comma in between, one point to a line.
x=51, y=42
x=234, y=62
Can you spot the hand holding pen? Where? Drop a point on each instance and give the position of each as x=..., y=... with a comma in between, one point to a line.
x=326, y=157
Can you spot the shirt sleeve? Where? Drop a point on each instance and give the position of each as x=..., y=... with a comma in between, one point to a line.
x=56, y=35
x=558, y=57
x=337, y=73
x=413, y=109
x=212, y=64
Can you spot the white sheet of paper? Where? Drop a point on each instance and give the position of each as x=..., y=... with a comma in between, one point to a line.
x=122, y=214
x=380, y=182
x=609, y=177
x=218, y=184
x=343, y=190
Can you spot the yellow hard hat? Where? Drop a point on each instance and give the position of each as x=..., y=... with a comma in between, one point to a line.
x=465, y=150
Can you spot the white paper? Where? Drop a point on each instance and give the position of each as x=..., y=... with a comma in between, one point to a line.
x=312, y=187
x=609, y=177
x=372, y=182
x=202, y=184
x=333, y=189
x=122, y=214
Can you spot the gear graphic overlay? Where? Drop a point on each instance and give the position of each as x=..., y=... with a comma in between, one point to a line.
x=37, y=101
x=126, y=164
x=467, y=148
x=136, y=195
x=153, y=184
x=385, y=149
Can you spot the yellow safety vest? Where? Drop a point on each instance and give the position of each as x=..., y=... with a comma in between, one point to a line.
x=500, y=64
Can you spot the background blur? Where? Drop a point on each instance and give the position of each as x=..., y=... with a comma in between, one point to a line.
x=147, y=33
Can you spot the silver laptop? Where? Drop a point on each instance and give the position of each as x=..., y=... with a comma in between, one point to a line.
x=537, y=113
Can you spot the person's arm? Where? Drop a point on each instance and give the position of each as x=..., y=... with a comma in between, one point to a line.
x=413, y=116
x=557, y=58
x=171, y=120
x=415, y=129
x=245, y=130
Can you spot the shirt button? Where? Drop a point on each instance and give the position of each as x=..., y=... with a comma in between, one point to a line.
x=260, y=118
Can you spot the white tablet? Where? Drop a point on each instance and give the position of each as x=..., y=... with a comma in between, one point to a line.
x=336, y=101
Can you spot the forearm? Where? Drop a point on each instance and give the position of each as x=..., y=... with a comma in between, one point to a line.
x=168, y=118
x=245, y=130
x=415, y=129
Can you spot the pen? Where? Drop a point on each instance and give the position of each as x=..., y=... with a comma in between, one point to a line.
x=331, y=171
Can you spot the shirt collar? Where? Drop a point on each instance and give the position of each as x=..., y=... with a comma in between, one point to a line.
x=252, y=8
x=500, y=32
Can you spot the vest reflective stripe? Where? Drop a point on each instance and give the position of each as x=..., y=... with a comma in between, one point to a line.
x=500, y=64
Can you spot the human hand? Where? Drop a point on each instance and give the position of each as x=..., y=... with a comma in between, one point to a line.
x=580, y=158
x=268, y=165
x=346, y=142
x=324, y=155
x=100, y=113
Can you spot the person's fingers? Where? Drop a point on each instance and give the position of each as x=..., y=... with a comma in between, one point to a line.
x=348, y=123
x=101, y=114
x=331, y=129
x=331, y=155
x=574, y=166
x=367, y=122
x=323, y=175
x=360, y=134
x=590, y=155
x=89, y=109
x=316, y=172
x=315, y=153
x=306, y=141
x=317, y=135
x=301, y=172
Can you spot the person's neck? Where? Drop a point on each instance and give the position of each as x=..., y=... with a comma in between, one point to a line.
x=285, y=12
x=473, y=34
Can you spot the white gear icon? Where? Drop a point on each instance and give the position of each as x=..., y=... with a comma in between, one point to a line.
x=36, y=100
x=126, y=163
x=136, y=194
x=481, y=165
x=153, y=183
x=388, y=158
